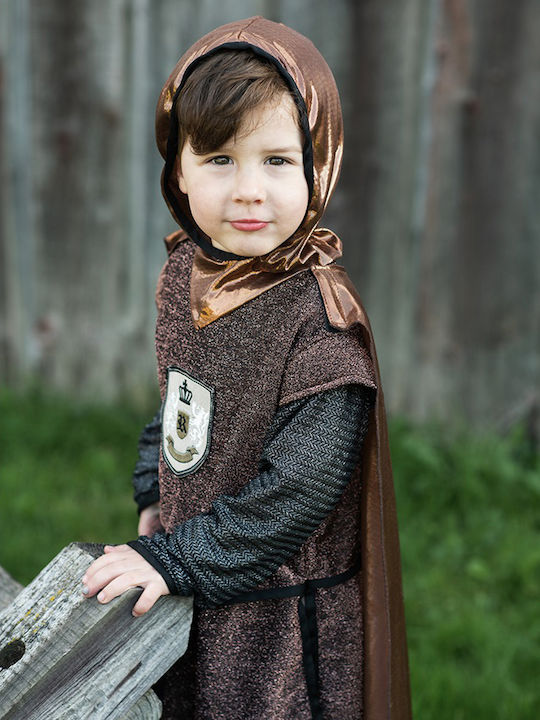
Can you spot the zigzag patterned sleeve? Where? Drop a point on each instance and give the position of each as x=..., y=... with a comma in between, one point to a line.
x=145, y=475
x=245, y=538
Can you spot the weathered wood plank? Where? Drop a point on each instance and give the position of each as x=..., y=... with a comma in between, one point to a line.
x=64, y=656
x=149, y=707
x=9, y=588
x=146, y=708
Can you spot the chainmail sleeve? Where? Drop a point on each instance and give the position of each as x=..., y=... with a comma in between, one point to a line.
x=245, y=538
x=145, y=475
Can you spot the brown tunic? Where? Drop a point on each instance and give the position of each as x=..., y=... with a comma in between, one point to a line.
x=245, y=661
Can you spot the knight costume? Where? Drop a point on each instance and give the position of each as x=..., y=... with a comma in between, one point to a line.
x=274, y=481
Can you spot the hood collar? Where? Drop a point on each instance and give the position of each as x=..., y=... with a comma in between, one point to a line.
x=222, y=281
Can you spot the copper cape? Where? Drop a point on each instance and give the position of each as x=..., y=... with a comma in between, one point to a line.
x=221, y=282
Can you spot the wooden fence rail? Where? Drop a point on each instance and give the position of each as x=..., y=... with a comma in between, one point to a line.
x=65, y=656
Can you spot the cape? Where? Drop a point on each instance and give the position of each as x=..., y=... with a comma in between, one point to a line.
x=386, y=668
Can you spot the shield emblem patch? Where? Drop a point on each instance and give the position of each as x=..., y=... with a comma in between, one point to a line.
x=187, y=421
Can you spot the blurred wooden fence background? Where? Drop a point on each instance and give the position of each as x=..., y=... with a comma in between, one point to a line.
x=437, y=205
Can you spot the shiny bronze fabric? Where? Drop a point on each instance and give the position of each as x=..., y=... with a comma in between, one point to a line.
x=218, y=286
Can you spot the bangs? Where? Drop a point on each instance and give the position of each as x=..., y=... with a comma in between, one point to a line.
x=220, y=92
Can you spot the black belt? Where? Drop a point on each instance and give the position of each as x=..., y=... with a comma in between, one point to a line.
x=307, y=616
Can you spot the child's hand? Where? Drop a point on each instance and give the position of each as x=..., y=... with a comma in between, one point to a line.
x=149, y=521
x=120, y=569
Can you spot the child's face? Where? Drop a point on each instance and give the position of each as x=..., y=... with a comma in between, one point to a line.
x=259, y=176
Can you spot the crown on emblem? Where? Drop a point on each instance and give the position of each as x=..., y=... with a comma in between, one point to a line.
x=185, y=394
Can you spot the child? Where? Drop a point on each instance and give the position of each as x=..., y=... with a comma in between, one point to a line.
x=275, y=505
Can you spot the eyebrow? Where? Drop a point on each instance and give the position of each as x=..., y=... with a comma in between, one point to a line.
x=266, y=151
x=283, y=150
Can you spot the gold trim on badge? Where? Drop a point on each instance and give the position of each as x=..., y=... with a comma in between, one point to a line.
x=181, y=457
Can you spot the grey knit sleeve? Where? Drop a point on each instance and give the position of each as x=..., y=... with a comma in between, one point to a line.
x=145, y=475
x=245, y=538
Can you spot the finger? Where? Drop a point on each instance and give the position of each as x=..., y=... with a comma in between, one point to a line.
x=149, y=526
x=115, y=548
x=90, y=579
x=119, y=585
x=117, y=566
x=113, y=555
x=98, y=564
x=96, y=581
x=143, y=527
x=147, y=599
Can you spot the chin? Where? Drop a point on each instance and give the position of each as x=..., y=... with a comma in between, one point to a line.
x=248, y=247
x=257, y=252
x=251, y=250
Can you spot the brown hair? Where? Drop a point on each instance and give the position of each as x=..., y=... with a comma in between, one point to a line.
x=220, y=92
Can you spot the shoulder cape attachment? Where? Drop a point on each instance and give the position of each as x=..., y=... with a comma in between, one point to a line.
x=341, y=300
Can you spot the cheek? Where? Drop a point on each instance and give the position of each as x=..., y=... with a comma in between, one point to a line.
x=180, y=163
x=296, y=199
x=203, y=205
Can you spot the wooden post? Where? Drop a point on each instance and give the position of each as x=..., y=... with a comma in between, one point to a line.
x=9, y=588
x=64, y=656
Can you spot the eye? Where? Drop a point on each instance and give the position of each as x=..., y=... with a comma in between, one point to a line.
x=220, y=160
x=277, y=161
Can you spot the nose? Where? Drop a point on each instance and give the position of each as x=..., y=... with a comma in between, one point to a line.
x=248, y=186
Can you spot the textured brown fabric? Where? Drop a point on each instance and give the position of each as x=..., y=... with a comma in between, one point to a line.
x=301, y=357
x=245, y=661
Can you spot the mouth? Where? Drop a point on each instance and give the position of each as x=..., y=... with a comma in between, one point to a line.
x=248, y=225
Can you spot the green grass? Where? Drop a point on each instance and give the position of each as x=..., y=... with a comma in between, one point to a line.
x=469, y=521
x=470, y=531
x=64, y=476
